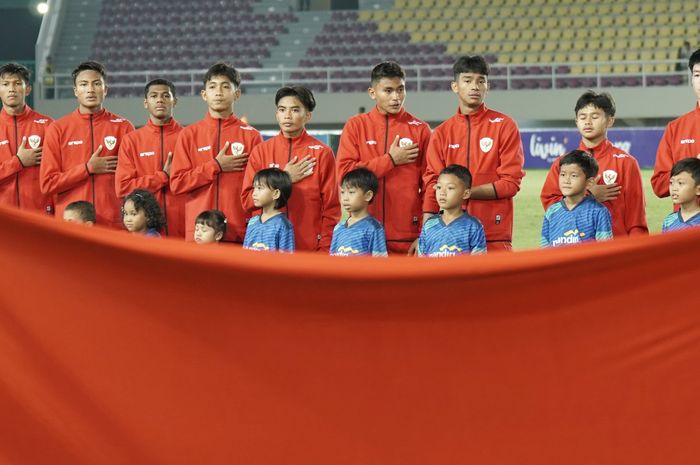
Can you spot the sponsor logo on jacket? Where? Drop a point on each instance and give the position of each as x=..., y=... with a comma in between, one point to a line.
x=4, y=142
x=146, y=154
x=41, y=121
x=371, y=142
x=687, y=141
x=496, y=120
x=206, y=148
x=248, y=128
x=452, y=146
x=315, y=147
x=415, y=122
x=75, y=142
x=117, y=120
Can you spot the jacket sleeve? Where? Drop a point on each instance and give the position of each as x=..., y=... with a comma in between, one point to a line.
x=10, y=167
x=127, y=178
x=544, y=237
x=185, y=176
x=349, y=155
x=603, y=227
x=423, y=156
x=329, y=201
x=254, y=165
x=635, y=203
x=510, y=169
x=435, y=163
x=662, y=167
x=550, y=193
x=52, y=178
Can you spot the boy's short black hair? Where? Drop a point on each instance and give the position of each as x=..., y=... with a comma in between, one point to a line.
x=275, y=178
x=15, y=68
x=387, y=69
x=690, y=166
x=215, y=219
x=694, y=59
x=584, y=160
x=91, y=66
x=462, y=173
x=85, y=209
x=602, y=101
x=146, y=201
x=159, y=82
x=305, y=96
x=470, y=64
x=363, y=179
x=223, y=69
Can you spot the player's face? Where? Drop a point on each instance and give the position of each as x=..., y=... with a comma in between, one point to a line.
x=13, y=90
x=389, y=94
x=593, y=123
x=73, y=216
x=291, y=116
x=90, y=89
x=134, y=220
x=695, y=78
x=471, y=89
x=159, y=102
x=572, y=180
x=684, y=189
x=263, y=195
x=353, y=199
x=450, y=192
x=220, y=94
x=205, y=234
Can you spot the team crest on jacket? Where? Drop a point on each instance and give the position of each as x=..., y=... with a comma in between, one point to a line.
x=486, y=143
x=110, y=142
x=34, y=141
x=405, y=142
x=609, y=176
x=237, y=148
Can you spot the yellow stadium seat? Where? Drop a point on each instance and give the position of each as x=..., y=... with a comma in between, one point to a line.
x=453, y=48
x=538, y=23
x=605, y=21
x=605, y=68
x=636, y=32
x=663, y=42
x=496, y=24
x=491, y=12
x=662, y=20
x=662, y=55
x=512, y=34
x=582, y=34
x=499, y=34
x=398, y=26
x=434, y=14
x=676, y=6
x=633, y=8
x=602, y=56
x=646, y=55
x=535, y=2
x=565, y=22
x=590, y=9
x=430, y=36
x=646, y=8
x=393, y=15
x=427, y=4
x=417, y=36
x=517, y=59
x=648, y=20
x=408, y=15
x=365, y=15
x=579, y=22
x=541, y=35
x=648, y=42
x=560, y=57
x=620, y=43
x=588, y=57
x=593, y=44
x=521, y=12
x=459, y=36
x=426, y=26
x=618, y=55
x=510, y=23
x=631, y=55
x=486, y=36
x=412, y=26
x=540, y=57
x=551, y=23
x=505, y=12
x=619, y=69
x=634, y=68
x=527, y=35
x=607, y=44
x=445, y=36
x=547, y=11
x=577, y=69
x=575, y=10
x=511, y=3
x=398, y=4
x=523, y=23
x=567, y=34
x=638, y=43
x=579, y=45
x=676, y=31
x=506, y=47
x=522, y=46
x=662, y=67
x=574, y=57
x=384, y=26
x=440, y=4
x=378, y=15
x=660, y=7
x=610, y=33
x=550, y=46
x=617, y=8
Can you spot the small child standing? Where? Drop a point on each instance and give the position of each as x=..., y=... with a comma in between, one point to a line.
x=453, y=231
x=209, y=227
x=80, y=211
x=685, y=192
x=361, y=233
x=271, y=230
x=577, y=217
x=141, y=214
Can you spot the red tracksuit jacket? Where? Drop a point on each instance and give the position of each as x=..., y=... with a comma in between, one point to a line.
x=488, y=143
x=313, y=207
x=70, y=142
x=19, y=185
x=196, y=172
x=141, y=159
x=365, y=142
x=614, y=166
x=681, y=140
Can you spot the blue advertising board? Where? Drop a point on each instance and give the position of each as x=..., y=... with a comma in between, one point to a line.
x=542, y=147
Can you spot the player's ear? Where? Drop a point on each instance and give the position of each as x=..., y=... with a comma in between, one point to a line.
x=28, y=90
x=368, y=196
x=203, y=93
x=237, y=94
x=276, y=194
x=467, y=194
x=591, y=182
x=372, y=93
x=145, y=103
x=611, y=121
x=218, y=236
x=307, y=118
x=455, y=87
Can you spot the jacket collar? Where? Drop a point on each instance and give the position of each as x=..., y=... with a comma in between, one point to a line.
x=24, y=115
x=169, y=127
x=378, y=117
x=477, y=115
x=598, y=150
x=231, y=120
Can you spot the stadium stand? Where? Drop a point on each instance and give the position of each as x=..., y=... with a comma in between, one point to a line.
x=532, y=44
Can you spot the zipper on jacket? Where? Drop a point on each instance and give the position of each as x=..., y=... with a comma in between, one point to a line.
x=17, y=148
x=162, y=165
x=92, y=150
x=386, y=150
x=218, y=148
x=289, y=158
x=469, y=140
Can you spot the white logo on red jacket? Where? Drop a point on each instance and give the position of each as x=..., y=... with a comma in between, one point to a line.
x=237, y=149
x=248, y=128
x=146, y=154
x=118, y=120
x=4, y=142
x=206, y=148
x=609, y=176
x=620, y=155
x=687, y=141
x=75, y=142
x=110, y=142
x=415, y=122
x=41, y=121
x=452, y=146
x=315, y=147
x=496, y=120
x=34, y=141
x=371, y=142
x=274, y=165
x=486, y=143
x=405, y=142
